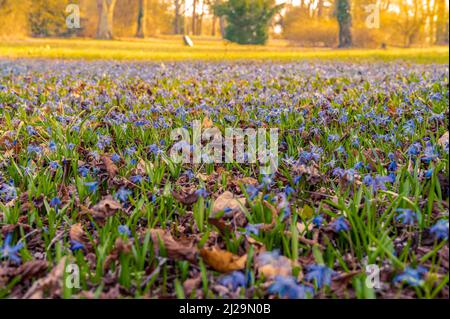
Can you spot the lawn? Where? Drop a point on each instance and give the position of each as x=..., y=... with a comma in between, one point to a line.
x=172, y=49
x=95, y=203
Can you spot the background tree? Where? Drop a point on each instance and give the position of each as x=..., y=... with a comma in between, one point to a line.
x=105, y=18
x=141, y=19
x=248, y=21
x=344, y=19
x=442, y=23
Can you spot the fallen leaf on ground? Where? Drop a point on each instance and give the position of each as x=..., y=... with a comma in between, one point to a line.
x=110, y=167
x=228, y=201
x=77, y=233
x=443, y=140
x=207, y=123
x=175, y=250
x=271, y=266
x=107, y=207
x=190, y=284
x=187, y=199
x=222, y=260
x=50, y=284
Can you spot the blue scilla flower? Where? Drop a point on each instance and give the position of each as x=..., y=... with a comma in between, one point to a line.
x=34, y=149
x=289, y=190
x=253, y=229
x=429, y=173
x=201, y=192
x=319, y=274
x=92, y=186
x=440, y=229
x=234, y=280
x=8, y=192
x=137, y=179
x=31, y=130
x=406, y=216
x=287, y=287
x=83, y=171
x=252, y=191
x=11, y=252
x=340, y=224
x=76, y=245
x=414, y=149
x=115, y=158
x=123, y=194
x=430, y=153
x=54, y=165
x=52, y=146
x=55, y=202
x=359, y=165
x=124, y=230
x=318, y=220
x=411, y=276
x=333, y=138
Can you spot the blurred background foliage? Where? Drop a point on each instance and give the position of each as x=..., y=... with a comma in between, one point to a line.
x=310, y=23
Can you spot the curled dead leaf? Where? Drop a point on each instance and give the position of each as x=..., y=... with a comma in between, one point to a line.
x=107, y=207
x=49, y=285
x=207, y=123
x=222, y=260
x=185, y=198
x=110, y=167
x=228, y=201
x=31, y=269
x=77, y=233
x=443, y=140
x=175, y=250
x=272, y=266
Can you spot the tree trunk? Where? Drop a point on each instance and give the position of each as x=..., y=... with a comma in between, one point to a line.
x=194, y=16
x=141, y=19
x=177, y=20
x=105, y=19
x=222, y=26
x=213, y=26
x=200, y=19
x=441, y=24
x=345, y=23
x=319, y=8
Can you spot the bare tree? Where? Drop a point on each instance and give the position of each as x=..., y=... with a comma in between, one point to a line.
x=345, y=22
x=141, y=19
x=178, y=19
x=441, y=23
x=194, y=16
x=105, y=18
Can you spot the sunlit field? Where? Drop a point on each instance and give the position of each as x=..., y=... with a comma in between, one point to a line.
x=171, y=48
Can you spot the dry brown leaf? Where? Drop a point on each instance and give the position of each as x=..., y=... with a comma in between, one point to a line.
x=207, y=123
x=272, y=267
x=190, y=284
x=50, y=284
x=443, y=140
x=186, y=199
x=228, y=200
x=121, y=246
x=31, y=269
x=174, y=249
x=110, y=167
x=248, y=181
x=77, y=233
x=107, y=207
x=222, y=260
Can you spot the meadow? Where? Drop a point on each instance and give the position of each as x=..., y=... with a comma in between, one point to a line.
x=357, y=208
x=171, y=48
